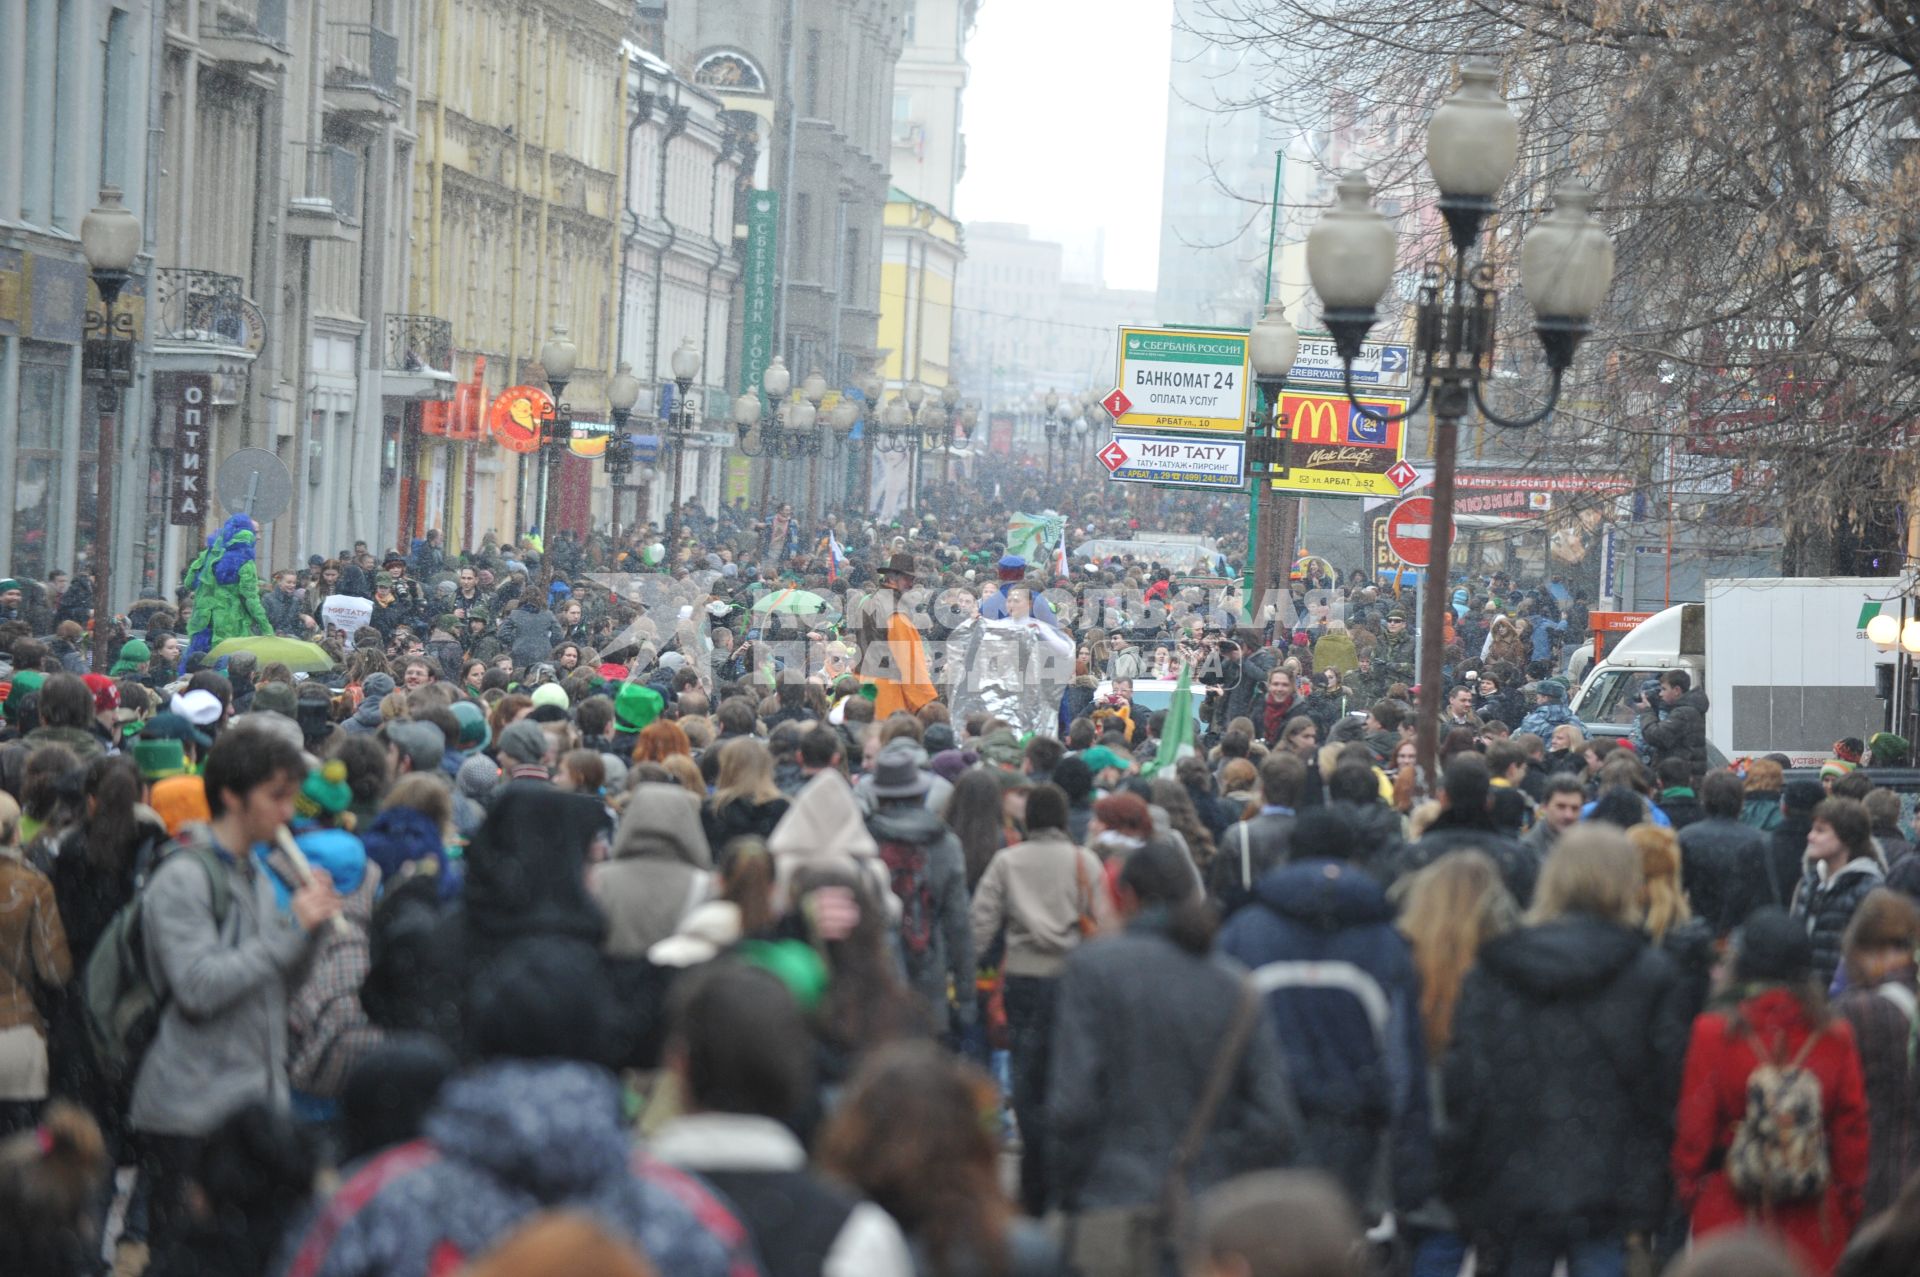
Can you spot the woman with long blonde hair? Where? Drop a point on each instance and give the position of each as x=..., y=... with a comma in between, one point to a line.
x=1668, y=915
x=745, y=799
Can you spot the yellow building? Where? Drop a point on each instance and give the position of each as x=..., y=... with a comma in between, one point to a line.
x=517, y=179
x=923, y=249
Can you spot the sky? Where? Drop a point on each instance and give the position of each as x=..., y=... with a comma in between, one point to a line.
x=1065, y=116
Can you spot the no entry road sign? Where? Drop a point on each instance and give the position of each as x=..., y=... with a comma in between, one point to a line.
x=1410, y=531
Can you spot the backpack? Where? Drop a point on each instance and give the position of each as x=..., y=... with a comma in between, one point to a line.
x=121, y=997
x=906, y=864
x=1779, y=1150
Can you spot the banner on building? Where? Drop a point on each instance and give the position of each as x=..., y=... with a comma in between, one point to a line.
x=186, y=403
x=760, y=279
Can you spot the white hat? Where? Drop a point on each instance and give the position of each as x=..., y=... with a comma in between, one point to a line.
x=199, y=707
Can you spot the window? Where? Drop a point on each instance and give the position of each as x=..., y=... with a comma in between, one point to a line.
x=802, y=236
x=113, y=113
x=813, y=72
x=37, y=456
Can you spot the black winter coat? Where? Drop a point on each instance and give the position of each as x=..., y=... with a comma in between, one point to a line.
x=1561, y=1081
x=1724, y=866
x=1519, y=864
x=1828, y=907
x=1681, y=732
x=1137, y=1023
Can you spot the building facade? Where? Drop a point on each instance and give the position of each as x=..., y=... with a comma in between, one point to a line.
x=76, y=90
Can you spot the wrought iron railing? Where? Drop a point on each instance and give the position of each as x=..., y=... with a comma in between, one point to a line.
x=419, y=343
x=360, y=56
x=197, y=306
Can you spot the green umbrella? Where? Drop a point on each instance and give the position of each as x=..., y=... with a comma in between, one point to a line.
x=790, y=603
x=296, y=654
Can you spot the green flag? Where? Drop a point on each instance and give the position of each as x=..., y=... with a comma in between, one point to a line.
x=1176, y=742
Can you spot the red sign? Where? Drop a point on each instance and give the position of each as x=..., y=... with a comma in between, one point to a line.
x=1113, y=456
x=1403, y=475
x=188, y=399
x=516, y=417
x=1117, y=405
x=1410, y=531
x=1610, y=627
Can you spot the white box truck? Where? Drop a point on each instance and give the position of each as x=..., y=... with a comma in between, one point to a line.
x=1785, y=662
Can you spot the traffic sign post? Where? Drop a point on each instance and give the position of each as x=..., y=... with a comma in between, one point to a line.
x=1176, y=462
x=1182, y=379
x=1410, y=531
x=256, y=483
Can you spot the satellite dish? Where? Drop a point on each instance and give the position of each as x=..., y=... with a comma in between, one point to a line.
x=256, y=483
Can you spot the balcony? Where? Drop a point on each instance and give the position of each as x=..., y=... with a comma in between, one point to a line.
x=363, y=71
x=248, y=36
x=201, y=321
x=328, y=206
x=418, y=363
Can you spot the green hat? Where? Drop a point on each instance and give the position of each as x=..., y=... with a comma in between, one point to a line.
x=474, y=732
x=159, y=759
x=1099, y=758
x=635, y=706
x=134, y=655
x=382, y=579
x=795, y=964
x=23, y=682
x=9, y=584
x=276, y=698
x=324, y=791
x=1001, y=748
x=1889, y=750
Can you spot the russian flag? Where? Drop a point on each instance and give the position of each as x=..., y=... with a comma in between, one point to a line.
x=1060, y=565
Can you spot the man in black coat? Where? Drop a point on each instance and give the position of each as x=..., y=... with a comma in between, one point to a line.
x=1724, y=861
x=1251, y=847
x=1787, y=858
x=1466, y=823
x=1676, y=726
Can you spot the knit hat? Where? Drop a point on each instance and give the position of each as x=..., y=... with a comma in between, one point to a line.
x=324, y=792
x=477, y=777
x=133, y=658
x=1802, y=795
x=474, y=732
x=550, y=694
x=1889, y=750
x=1834, y=768
x=1848, y=749
x=171, y=726
x=524, y=742
x=1099, y=758
x=159, y=759
x=9, y=584
x=938, y=738
x=106, y=694
x=276, y=698
x=376, y=687
x=635, y=706
x=1772, y=946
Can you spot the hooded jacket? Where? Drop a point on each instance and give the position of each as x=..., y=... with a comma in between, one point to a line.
x=1827, y=907
x=824, y=828
x=1677, y=731
x=509, y=1140
x=1331, y=923
x=947, y=958
x=660, y=871
x=1561, y=1079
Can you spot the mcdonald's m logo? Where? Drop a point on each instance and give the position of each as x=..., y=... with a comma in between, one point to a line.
x=1330, y=421
x=1315, y=419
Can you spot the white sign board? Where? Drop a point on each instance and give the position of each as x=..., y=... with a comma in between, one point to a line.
x=1181, y=379
x=1184, y=462
x=1377, y=367
x=348, y=613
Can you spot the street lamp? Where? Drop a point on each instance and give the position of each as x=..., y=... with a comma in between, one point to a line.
x=622, y=393
x=558, y=356
x=1566, y=264
x=1272, y=348
x=110, y=238
x=1051, y=404
x=686, y=366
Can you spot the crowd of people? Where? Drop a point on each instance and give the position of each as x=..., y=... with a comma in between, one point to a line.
x=593, y=908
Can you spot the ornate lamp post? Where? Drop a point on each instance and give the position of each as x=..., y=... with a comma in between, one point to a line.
x=1273, y=346
x=686, y=366
x=622, y=392
x=558, y=356
x=1566, y=264
x=1051, y=405
x=813, y=390
x=872, y=387
x=110, y=238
